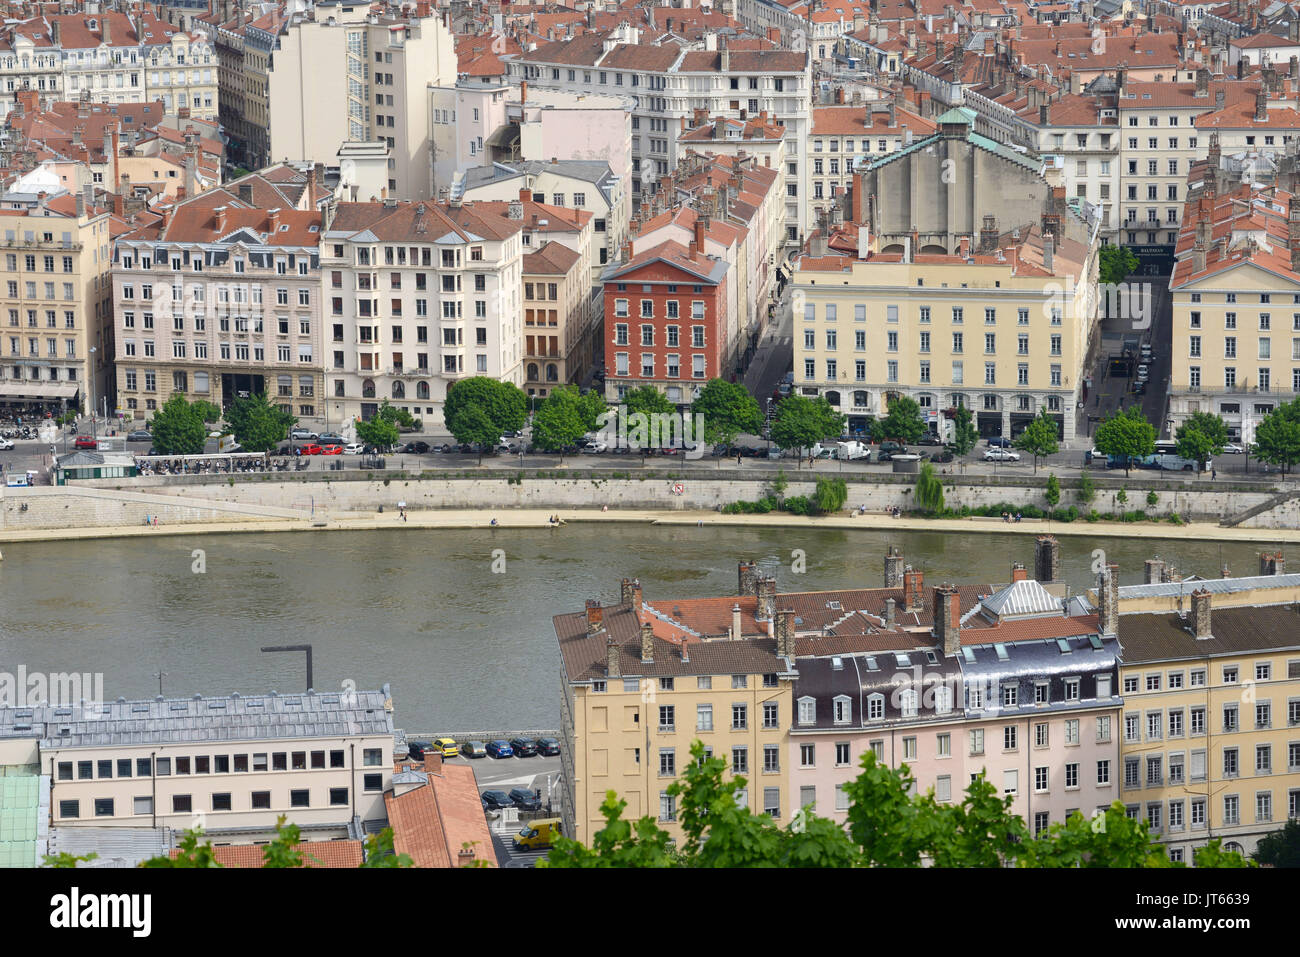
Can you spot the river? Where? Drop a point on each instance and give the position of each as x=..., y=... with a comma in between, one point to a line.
x=463, y=647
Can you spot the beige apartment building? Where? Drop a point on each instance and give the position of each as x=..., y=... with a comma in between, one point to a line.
x=559, y=338
x=221, y=299
x=353, y=75
x=229, y=764
x=1211, y=733
x=420, y=296
x=636, y=695
x=845, y=136
x=869, y=327
x=56, y=305
x=1236, y=307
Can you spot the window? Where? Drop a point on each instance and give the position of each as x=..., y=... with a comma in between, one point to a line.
x=1041, y=735
x=1072, y=775
x=1009, y=738
x=841, y=753
x=666, y=713
x=771, y=758
x=667, y=762
x=771, y=715
x=772, y=801
x=977, y=741
x=1040, y=779
x=739, y=717
x=807, y=710
x=807, y=755
x=703, y=717
x=740, y=760
x=909, y=749
x=1010, y=782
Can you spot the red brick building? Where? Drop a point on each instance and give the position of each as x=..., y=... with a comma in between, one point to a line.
x=665, y=326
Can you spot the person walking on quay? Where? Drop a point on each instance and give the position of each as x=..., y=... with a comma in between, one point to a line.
x=1214, y=473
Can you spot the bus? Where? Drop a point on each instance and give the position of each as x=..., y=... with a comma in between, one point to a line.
x=1167, y=456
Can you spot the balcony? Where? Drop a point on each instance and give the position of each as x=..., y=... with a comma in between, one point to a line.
x=405, y=372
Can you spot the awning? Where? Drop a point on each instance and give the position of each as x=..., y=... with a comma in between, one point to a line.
x=11, y=389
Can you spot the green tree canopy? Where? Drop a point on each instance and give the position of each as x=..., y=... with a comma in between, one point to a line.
x=1053, y=492
x=258, y=425
x=902, y=423
x=1277, y=437
x=1115, y=263
x=210, y=411
x=473, y=425
x=1039, y=437
x=1126, y=434
x=560, y=421
x=1087, y=490
x=929, y=490
x=1203, y=434
x=728, y=410
x=888, y=825
x=801, y=422
x=648, y=401
x=503, y=403
x=964, y=434
x=831, y=495
x=177, y=428
x=1280, y=848
x=381, y=432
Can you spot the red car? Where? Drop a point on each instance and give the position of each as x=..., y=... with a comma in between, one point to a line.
x=309, y=450
x=331, y=450
x=85, y=442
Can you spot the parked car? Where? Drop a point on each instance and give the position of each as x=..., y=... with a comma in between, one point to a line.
x=496, y=800
x=1144, y=372
x=595, y=448
x=891, y=447
x=500, y=749
x=1001, y=455
x=6, y=443
x=312, y=449
x=303, y=435
x=419, y=448
x=548, y=747
x=524, y=747
x=331, y=438
x=474, y=749
x=353, y=448
x=85, y=442
x=1140, y=387
x=942, y=456
x=930, y=439
x=999, y=442
x=417, y=750
x=526, y=799
x=1233, y=449
x=331, y=450
x=139, y=435
x=447, y=746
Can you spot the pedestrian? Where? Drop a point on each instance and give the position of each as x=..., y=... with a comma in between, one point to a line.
x=1214, y=473
x=737, y=458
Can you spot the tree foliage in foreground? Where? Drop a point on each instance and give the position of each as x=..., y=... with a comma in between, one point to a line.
x=887, y=826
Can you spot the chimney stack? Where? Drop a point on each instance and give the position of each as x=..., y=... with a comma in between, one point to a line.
x=625, y=591
x=1201, y=613
x=913, y=582
x=735, y=622
x=785, y=633
x=1272, y=564
x=647, y=643
x=891, y=607
x=989, y=235
x=613, y=668
x=1047, y=559
x=595, y=617
x=947, y=619
x=766, y=598
x=893, y=567
x=1224, y=571
x=1261, y=106
x=748, y=573
x=1108, y=600
x=1293, y=229
x=1154, y=571
x=1018, y=572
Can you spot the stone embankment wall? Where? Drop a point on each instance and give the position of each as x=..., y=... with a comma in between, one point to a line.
x=76, y=507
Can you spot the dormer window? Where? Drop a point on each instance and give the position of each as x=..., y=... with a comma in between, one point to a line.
x=875, y=709
x=807, y=710
x=907, y=703
x=942, y=699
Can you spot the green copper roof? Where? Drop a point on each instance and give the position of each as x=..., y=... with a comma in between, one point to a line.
x=958, y=114
x=19, y=809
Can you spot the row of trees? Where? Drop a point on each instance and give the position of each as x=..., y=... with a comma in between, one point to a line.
x=888, y=825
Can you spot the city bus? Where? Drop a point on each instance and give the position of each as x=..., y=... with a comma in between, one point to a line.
x=1167, y=456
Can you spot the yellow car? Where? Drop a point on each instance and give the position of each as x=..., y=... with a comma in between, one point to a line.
x=448, y=747
x=538, y=834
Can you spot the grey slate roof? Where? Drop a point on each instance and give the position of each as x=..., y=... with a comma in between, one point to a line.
x=114, y=846
x=228, y=718
x=1215, y=586
x=592, y=171
x=1164, y=636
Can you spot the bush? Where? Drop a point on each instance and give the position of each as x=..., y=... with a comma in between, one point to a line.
x=800, y=505
x=1152, y=498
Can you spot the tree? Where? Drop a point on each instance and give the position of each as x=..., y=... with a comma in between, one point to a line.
x=647, y=401
x=889, y=825
x=1039, y=437
x=800, y=422
x=258, y=425
x=381, y=432
x=831, y=495
x=1126, y=434
x=192, y=853
x=903, y=423
x=1087, y=491
x=929, y=490
x=728, y=410
x=281, y=852
x=1280, y=848
x=503, y=404
x=1053, y=493
x=65, y=859
x=1153, y=499
x=474, y=426
x=1277, y=437
x=1202, y=435
x=560, y=422
x=210, y=411
x=1122, y=497
x=1115, y=263
x=964, y=434
x=177, y=428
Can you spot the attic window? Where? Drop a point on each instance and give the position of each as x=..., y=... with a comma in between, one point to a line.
x=1095, y=641
x=1001, y=650
x=969, y=655
x=1146, y=96
x=216, y=705
x=180, y=706
x=312, y=229
x=1064, y=645
x=931, y=657
x=902, y=659
x=833, y=605
x=837, y=663
x=284, y=228
x=871, y=663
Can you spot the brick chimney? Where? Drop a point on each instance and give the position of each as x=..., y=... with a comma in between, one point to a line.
x=1261, y=106
x=913, y=582
x=1018, y=572
x=766, y=598
x=893, y=567
x=748, y=574
x=595, y=617
x=433, y=761
x=1154, y=571
x=625, y=591
x=1225, y=572
x=785, y=633
x=1200, y=619
x=989, y=235
x=947, y=619
x=220, y=214
x=891, y=612
x=106, y=29
x=735, y=622
x=1047, y=559
x=700, y=226
x=1108, y=600
x=647, y=643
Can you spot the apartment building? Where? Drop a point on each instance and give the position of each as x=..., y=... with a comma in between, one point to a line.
x=1265, y=123
x=670, y=83
x=57, y=304
x=666, y=320
x=245, y=47
x=1211, y=734
x=873, y=326
x=109, y=57
x=1079, y=135
x=559, y=337
x=221, y=298
x=421, y=295
x=844, y=137
x=757, y=136
x=229, y=764
x=340, y=73
x=637, y=690
x=1236, y=307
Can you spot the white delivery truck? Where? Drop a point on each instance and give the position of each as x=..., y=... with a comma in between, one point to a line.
x=847, y=451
